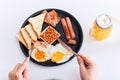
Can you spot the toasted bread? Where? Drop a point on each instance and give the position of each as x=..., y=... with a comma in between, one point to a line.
x=31, y=32
x=20, y=38
x=37, y=23
x=52, y=18
x=26, y=37
x=45, y=11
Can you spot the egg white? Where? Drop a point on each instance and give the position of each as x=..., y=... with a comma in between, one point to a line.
x=47, y=56
x=49, y=51
x=61, y=49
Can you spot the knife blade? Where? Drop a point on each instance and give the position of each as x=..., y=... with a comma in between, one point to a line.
x=66, y=47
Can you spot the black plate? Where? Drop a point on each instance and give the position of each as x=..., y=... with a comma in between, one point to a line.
x=58, y=27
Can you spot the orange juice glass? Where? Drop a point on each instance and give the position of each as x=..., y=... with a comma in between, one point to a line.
x=102, y=27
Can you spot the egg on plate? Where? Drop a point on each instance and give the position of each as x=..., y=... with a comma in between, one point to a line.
x=39, y=52
x=59, y=54
x=56, y=53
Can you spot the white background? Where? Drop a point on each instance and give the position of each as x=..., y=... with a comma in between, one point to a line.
x=105, y=53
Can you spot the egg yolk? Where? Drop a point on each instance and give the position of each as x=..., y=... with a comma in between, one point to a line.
x=40, y=55
x=57, y=56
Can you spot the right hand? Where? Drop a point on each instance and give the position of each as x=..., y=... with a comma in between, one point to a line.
x=88, y=69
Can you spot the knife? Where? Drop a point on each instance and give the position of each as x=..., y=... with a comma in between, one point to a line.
x=66, y=47
x=69, y=49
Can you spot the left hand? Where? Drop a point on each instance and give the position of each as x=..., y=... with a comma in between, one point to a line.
x=20, y=71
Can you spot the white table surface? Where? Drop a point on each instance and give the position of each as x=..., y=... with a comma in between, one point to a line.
x=105, y=53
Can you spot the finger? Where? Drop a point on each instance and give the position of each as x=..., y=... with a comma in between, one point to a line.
x=86, y=59
x=80, y=61
x=16, y=67
x=26, y=73
x=26, y=61
x=13, y=71
x=23, y=65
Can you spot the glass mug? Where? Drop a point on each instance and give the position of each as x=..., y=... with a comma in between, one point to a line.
x=102, y=27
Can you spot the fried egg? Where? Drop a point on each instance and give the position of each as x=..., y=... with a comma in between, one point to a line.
x=39, y=53
x=40, y=56
x=59, y=54
x=56, y=53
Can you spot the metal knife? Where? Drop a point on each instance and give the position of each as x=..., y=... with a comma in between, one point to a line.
x=66, y=47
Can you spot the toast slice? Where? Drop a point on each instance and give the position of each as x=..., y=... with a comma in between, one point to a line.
x=20, y=38
x=52, y=18
x=26, y=37
x=37, y=23
x=31, y=32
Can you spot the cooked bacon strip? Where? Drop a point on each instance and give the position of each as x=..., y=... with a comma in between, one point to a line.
x=39, y=45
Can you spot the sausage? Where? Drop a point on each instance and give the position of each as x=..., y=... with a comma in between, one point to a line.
x=73, y=42
x=65, y=28
x=70, y=28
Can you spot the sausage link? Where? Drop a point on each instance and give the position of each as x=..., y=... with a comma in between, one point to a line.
x=73, y=42
x=70, y=28
x=65, y=28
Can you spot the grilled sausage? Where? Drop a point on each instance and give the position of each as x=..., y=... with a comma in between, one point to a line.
x=70, y=28
x=65, y=28
x=73, y=42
